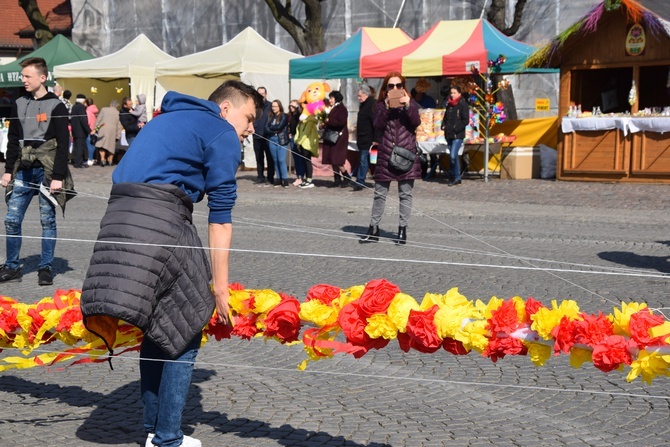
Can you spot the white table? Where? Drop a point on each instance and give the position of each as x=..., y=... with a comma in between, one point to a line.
x=626, y=124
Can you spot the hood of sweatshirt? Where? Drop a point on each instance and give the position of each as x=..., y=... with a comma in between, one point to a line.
x=141, y=98
x=178, y=102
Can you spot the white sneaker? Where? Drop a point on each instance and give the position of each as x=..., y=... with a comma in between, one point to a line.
x=89, y=162
x=305, y=185
x=186, y=442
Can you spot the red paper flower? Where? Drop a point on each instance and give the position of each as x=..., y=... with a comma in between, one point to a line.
x=353, y=327
x=532, y=306
x=640, y=323
x=217, y=329
x=454, y=346
x=592, y=329
x=504, y=318
x=235, y=286
x=564, y=336
x=609, y=354
x=284, y=321
x=245, y=326
x=376, y=297
x=325, y=293
x=8, y=321
x=421, y=332
x=498, y=348
x=35, y=325
x=69, y=317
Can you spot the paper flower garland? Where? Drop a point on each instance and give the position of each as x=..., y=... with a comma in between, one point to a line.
x=355, y=320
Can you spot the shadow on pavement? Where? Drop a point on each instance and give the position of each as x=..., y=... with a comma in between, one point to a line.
x=116, y=417
x=30, y=264
x=660, y=263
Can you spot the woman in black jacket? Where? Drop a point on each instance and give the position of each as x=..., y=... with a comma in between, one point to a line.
x=455, y=121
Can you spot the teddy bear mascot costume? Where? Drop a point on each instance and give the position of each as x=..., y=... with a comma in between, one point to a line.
x=307, y=132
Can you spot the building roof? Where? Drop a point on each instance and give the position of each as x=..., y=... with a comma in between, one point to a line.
x=16, y=32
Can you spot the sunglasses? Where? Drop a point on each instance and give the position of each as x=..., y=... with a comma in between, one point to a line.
x=392, y=86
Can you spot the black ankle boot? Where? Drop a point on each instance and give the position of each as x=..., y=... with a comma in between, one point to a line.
x=371, y=236
x=338, y=181
x=346, y=178
x=402, y=236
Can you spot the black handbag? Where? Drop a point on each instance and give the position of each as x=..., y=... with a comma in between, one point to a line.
x=282, y=138
x=331, y=136
x=94, y=138
x=401, y=159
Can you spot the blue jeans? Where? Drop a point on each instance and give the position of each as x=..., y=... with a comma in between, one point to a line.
x=363, y=166
x=279, y=157
x=298, y=161
x=26, y=185
x=454, y=164
x=164, y=387
x=91, y=148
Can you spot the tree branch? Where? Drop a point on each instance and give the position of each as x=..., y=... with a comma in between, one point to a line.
x=42, y=31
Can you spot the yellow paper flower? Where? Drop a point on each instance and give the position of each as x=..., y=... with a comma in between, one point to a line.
x=265, y=300
x=493, y=304
x=520, y=306
x=318, y=313
x=473, y=336
x=538, y=353
x=398, y=311
x=579, y=356
x=238, y=301
x=381, y=326
x=621, y=318
x=649, y=365
x=449, y=320
x=545, y=320
x=347, y=296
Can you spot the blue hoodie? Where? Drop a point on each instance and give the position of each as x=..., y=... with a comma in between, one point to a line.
x=190, y=146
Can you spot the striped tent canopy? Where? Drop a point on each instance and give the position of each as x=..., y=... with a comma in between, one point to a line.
x=451, y=47
x=343, y=61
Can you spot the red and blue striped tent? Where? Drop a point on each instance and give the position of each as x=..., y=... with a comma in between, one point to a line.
x=343, y=61
x=451, y=47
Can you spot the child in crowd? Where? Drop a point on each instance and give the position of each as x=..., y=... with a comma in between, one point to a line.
x=140, y=110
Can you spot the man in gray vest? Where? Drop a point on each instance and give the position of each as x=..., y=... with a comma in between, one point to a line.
x=37, y=156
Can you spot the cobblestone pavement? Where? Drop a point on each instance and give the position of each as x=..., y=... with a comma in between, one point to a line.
x=536, y=238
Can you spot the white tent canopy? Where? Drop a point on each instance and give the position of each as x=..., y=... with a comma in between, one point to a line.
x=248, y=57
x=135, y=61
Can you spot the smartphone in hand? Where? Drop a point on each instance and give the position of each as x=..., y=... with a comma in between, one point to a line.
x=394, y=98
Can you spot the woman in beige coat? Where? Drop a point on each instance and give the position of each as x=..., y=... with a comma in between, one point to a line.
x=109, y=130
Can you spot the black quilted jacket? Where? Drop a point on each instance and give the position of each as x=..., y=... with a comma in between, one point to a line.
x=160, y=285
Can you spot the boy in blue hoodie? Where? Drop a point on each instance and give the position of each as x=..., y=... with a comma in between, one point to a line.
x=159, y=279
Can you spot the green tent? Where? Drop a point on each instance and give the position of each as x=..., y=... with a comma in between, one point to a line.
x=59, y=50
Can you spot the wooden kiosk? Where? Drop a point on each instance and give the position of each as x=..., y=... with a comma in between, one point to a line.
x=616, y=60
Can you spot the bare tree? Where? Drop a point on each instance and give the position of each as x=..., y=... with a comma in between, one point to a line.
x=308, y=35
x=43, y=33
x=496, y=16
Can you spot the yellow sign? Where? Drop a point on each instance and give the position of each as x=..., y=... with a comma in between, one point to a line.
x=542, y=104
x=635, y=40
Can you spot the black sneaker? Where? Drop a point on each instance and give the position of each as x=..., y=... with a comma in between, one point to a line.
x=44, y=277
x=7, y=274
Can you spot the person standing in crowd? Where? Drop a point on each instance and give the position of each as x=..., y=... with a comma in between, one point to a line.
x=293, y=121
x=64, y=97
x=109, y=131
x=261, y=146
x=336, y=154
x=190, y=150
x=129, y=121
x=397, y=126
x=276, y=129
x=91, y=116
x=80, y=132
x=364, y=133
x=37, y=155
x=140, y=110
x=456, y=119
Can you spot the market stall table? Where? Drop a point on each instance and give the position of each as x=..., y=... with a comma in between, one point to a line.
x=468, y=151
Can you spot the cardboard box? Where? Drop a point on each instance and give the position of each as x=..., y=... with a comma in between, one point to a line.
x=520, y=163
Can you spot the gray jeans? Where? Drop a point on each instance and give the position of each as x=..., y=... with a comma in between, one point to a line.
x=404, y=197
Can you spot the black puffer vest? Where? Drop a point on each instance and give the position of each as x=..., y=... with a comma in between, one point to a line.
x=160, y=285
